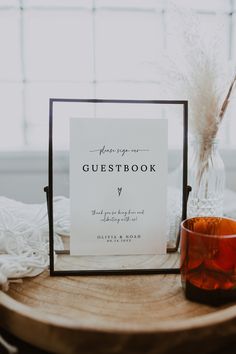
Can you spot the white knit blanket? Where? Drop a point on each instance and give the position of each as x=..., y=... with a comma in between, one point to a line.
x=24, y=237
x=24, y=234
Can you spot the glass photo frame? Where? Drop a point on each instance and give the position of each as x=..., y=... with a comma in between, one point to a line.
x=61, y=111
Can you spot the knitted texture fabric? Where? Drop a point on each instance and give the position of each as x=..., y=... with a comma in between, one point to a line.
x=24, y=237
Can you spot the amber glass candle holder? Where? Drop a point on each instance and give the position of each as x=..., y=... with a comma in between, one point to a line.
x=208, y=259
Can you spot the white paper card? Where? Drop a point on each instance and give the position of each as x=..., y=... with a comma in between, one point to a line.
x=118, y=186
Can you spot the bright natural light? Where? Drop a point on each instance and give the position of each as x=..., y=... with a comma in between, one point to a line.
x=93, y=49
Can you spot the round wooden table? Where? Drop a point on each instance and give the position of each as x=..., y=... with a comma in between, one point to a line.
x=113, y=314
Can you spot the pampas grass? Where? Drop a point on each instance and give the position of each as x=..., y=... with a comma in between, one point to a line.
x=196, y=70
x=227, y=99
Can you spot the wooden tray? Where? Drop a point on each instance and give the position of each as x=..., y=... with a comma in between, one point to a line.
x=113, y=314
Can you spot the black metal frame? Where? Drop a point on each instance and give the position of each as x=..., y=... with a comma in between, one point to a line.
x=49, y=189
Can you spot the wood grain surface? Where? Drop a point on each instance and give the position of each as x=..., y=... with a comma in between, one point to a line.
x=68, y=262
x=113, y=314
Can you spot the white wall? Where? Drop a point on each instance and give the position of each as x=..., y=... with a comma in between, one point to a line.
x=23, y=175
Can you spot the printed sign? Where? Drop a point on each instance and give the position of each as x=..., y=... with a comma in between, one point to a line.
x=118, y=186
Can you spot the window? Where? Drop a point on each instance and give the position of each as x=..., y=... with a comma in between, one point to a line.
x=89, y=48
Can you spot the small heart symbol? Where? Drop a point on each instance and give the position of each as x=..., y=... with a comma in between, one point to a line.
x=119, y=190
